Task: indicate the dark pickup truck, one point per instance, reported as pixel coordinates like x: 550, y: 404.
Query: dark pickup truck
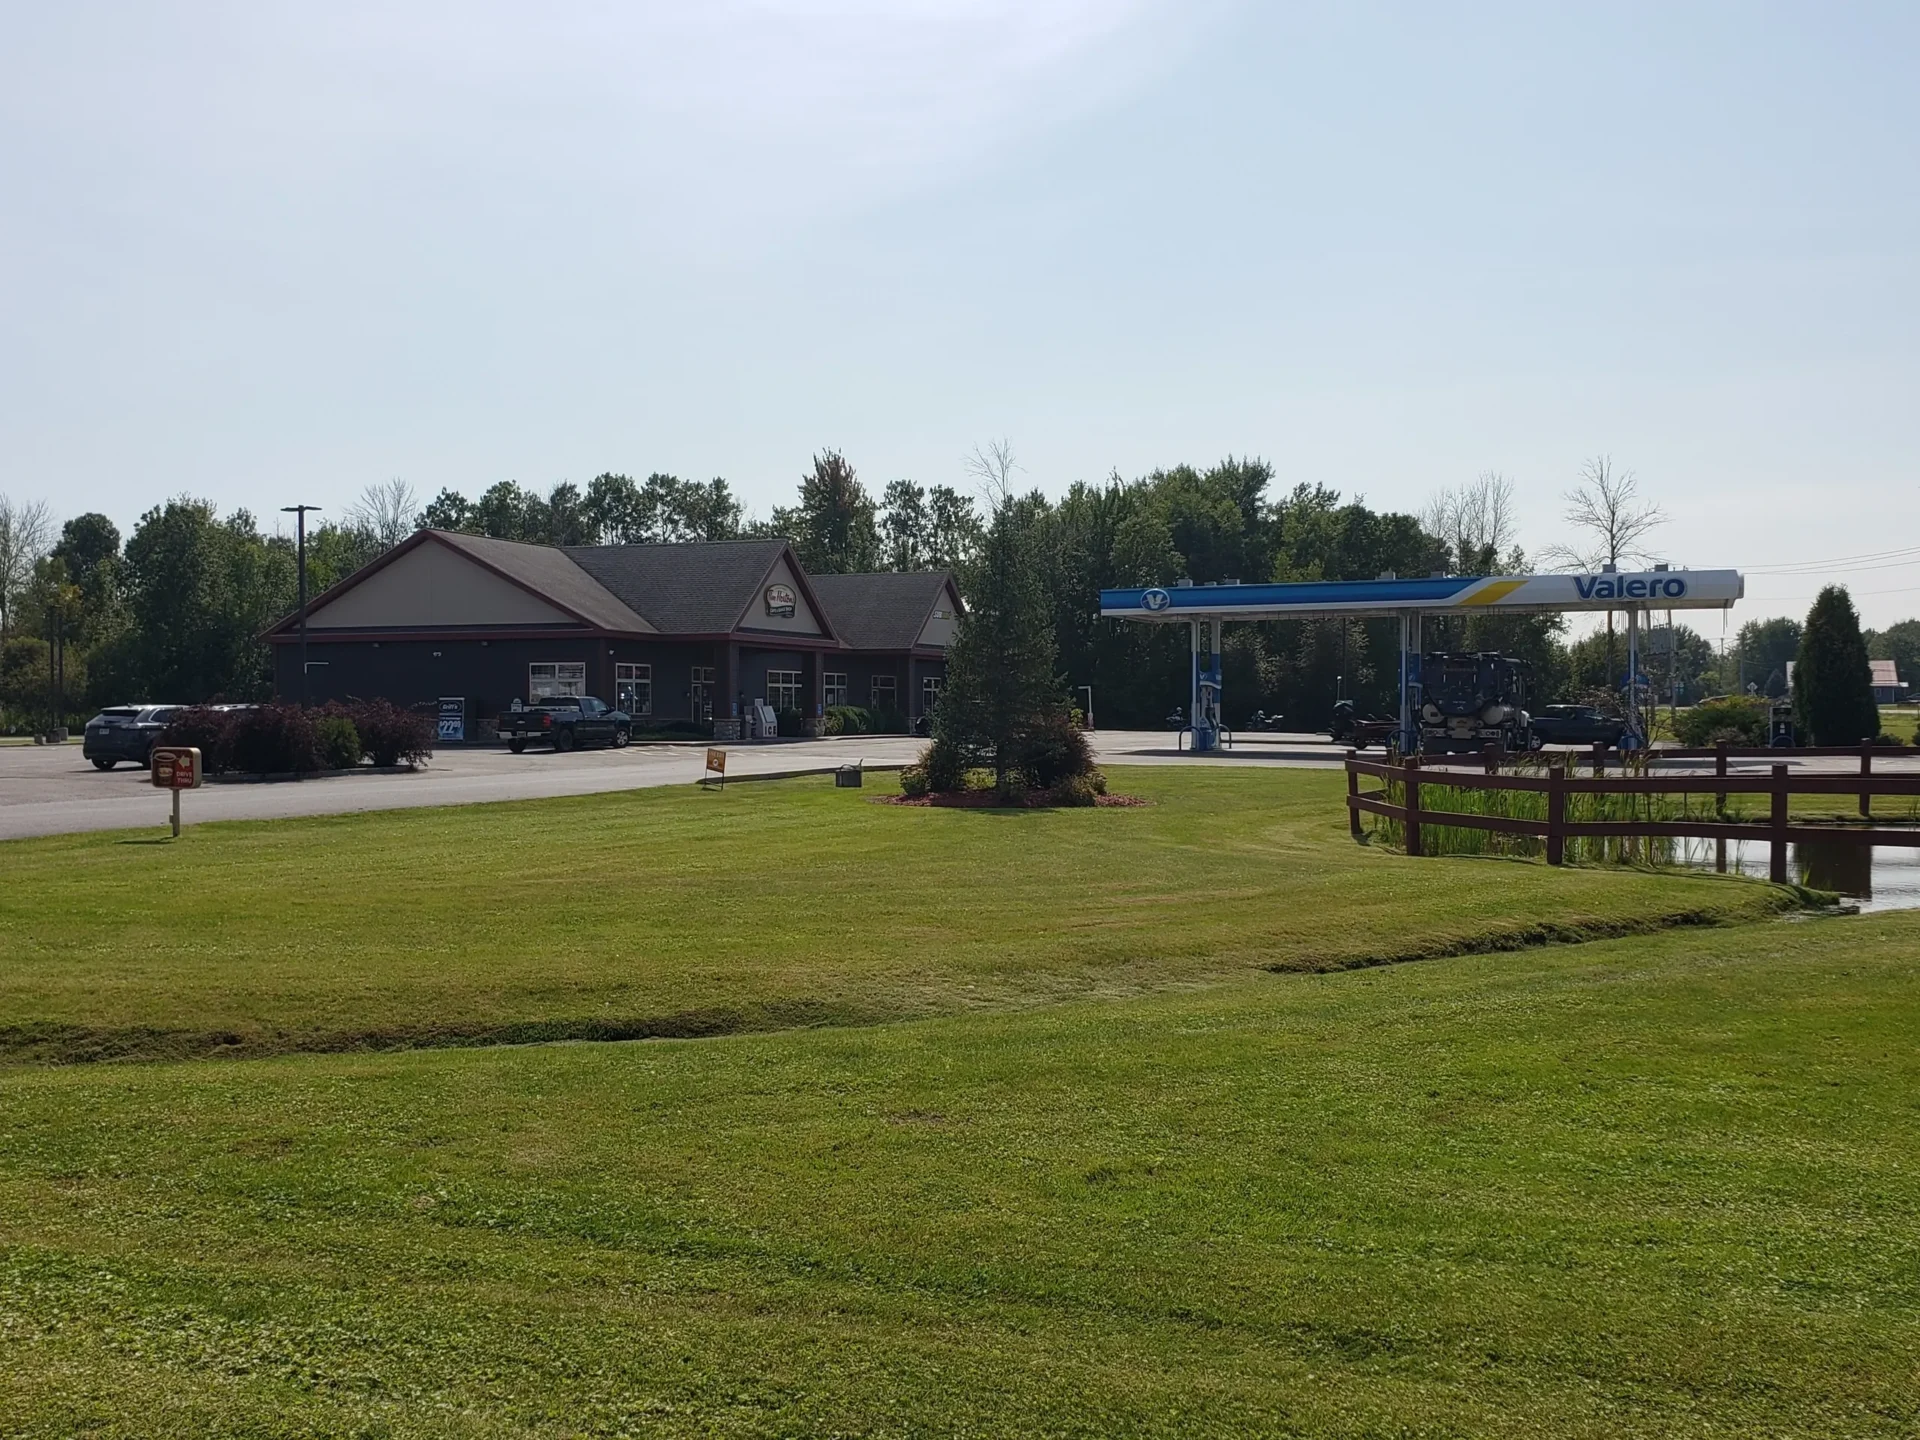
x: 1575, y: 725
x: 566, y: 722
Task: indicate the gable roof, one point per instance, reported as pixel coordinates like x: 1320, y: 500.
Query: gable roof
x: 698, y: 588
x: 885, y: 611
x: 551, y: 572
x: 540, y: 570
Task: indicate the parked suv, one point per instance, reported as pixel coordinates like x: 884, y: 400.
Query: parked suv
x: 124, y: 732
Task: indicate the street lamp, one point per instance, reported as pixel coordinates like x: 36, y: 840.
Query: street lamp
x: 299, y: 512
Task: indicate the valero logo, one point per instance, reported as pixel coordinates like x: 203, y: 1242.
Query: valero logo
x: 1630, y: 587
x: 1156, y: 599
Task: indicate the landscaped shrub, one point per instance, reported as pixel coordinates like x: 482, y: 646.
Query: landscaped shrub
x: 890, y: 722
x: 1739, y: 719
x: 338, y: 742
x: 789, y: 722
x: 847, y: 720
x: 1051, y: 749
x: 1079, y: 790
x: 273, y: 740
x: 913, y: 781
x: 944, y: 766
x: 393, y: 736
x: 206, y: 729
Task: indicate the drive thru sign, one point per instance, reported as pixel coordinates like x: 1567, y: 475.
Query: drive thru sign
x: 176, y: 768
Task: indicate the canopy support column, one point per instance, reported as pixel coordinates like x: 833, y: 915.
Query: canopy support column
x: 1636, y: 736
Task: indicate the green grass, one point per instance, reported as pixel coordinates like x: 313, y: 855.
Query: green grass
x: 1660, y: 1186
x: 686, y: 912
x: 1899, y: 721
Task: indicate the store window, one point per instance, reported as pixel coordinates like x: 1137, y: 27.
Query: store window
x: 783, y: 689
x: 885, y: 694
x: 701, y: 692
x: 929, y: 694
x: 558, y: 678
x: 836, y: 687
x: 633, y: 689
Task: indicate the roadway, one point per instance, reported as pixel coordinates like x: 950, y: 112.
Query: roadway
x: 52, y: 790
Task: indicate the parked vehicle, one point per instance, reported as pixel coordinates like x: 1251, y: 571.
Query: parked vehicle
x: 1357, y: 730
x: 124, y: 732
x: 566, y: 722
x: 1260, y: 720
x: 1468, y: 702
x: 1576, y: 725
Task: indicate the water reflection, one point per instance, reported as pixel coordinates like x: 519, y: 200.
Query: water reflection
x: 1879, y: 877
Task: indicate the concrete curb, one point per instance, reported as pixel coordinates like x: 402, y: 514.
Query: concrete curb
x: 884, y: 766
x: 282, y: 777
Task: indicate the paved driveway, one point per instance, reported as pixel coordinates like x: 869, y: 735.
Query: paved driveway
x: 51, y: 790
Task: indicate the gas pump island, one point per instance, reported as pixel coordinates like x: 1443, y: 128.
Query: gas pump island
x: 1205, y: 609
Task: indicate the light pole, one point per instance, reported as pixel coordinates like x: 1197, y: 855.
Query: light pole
x: 299, y: 512
x: 1089, y: 690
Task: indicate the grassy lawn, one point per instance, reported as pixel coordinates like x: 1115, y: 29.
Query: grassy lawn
x: 1899, y: 721
x: 1659, y: 1186
x: 682, y: 912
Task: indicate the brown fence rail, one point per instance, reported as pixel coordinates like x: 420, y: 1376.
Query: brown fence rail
x: 1780, y: 785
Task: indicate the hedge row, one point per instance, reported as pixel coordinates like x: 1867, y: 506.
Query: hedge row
x: 287, y: 739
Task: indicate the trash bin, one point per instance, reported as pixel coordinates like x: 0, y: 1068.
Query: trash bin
x: 847, y: 777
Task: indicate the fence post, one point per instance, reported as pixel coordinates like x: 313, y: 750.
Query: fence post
x: 1720, y: 770
x: 1599, y: 758
x: 1410, y: 783
x: 1490, y: 758
x: 1353, y: 793
x: 1556, y: 815
x: 1866, y: 768
x: 1777, y: 867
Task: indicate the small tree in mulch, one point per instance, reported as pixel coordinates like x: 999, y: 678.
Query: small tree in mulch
x: 1833, y: 700
x: 1001, y: 682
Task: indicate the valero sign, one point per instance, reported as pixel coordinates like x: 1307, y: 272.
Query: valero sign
x: 1631, y: 587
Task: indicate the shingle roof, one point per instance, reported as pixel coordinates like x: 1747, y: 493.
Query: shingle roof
x: 551, y: 572
x: 881, y: 612
x: 696, y: 589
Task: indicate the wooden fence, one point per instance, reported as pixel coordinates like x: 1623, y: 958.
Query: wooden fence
x: 1780, y: 785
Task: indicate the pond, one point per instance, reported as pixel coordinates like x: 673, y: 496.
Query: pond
x: 1878, y: 877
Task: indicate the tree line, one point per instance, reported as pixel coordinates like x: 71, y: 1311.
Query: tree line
x: 175, y: 612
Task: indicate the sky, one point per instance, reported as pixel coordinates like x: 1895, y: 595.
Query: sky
x: 265, y: 253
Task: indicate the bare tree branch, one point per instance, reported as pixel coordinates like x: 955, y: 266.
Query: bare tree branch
x: 1476, y: 522
x: 26, y: 534
x: 1612, y: 516
x: 993, y: 467
x: 389, y: 512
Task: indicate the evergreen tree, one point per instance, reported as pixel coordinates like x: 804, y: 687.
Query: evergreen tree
x: 1000, y: 681
x: 1832, y: 683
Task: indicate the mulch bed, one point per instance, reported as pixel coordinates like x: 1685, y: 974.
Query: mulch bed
x: 988, y: 800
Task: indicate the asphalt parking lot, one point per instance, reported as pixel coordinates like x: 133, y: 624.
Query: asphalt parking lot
x: 52, y: 790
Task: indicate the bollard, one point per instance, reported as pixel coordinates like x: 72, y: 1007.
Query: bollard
x: 1353, y: 792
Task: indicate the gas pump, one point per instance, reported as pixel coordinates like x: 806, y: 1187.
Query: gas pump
x: 1206, y: 685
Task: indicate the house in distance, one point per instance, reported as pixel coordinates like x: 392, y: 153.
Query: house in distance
x: 691, y: 632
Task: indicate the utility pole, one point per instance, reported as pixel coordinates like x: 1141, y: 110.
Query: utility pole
x: 299, y: 512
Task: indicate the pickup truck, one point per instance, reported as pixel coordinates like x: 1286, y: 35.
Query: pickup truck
x: 567, y: 721
x: 1575, y: 725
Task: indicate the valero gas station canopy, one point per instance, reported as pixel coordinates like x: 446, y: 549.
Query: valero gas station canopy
x: 1206, y: 607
